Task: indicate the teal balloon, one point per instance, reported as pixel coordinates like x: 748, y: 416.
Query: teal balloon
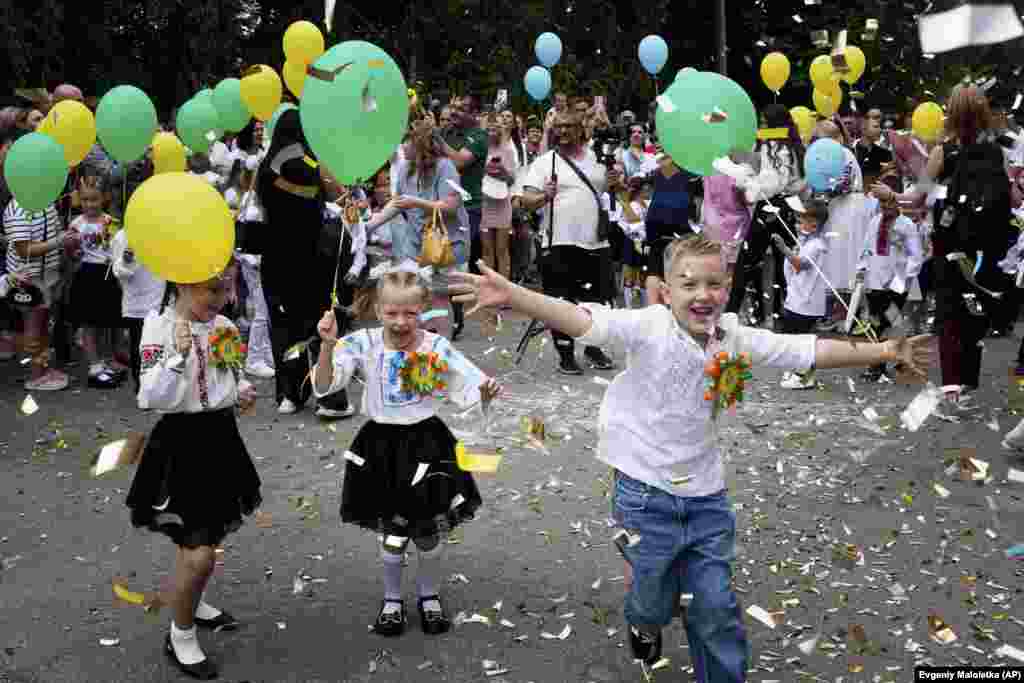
x: 205, y: 95
x: 195, y: 121
x: 691, y: 141
x: 537, y: 82
x: 686, y: 72
x: 227, y: 98
x: 125, y: 123
x: 355, y: 122
x: 653, y: 53
x: 284, y: 106
x: 36, y: 171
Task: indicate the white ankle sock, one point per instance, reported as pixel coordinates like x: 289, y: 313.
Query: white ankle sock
x: 186, y: 645
x: 207, y: 611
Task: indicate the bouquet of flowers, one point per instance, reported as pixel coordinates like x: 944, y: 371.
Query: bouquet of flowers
x: 725, y: 378
x: 423, y: 373
x: 227, y: 351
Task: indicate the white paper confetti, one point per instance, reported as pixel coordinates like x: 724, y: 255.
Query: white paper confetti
x: 565, y: 633
x: 29, y: 405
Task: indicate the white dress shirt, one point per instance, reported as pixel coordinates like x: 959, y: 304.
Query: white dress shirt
x: 805, y: 288
x: 903, y: 262
x: 141, y: 290
x: 654, y: 424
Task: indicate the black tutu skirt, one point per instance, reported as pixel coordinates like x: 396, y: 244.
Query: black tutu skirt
x: 95, y: 297
x: 196, y: 480
x: 379, y: 493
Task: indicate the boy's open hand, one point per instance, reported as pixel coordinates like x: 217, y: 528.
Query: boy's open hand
x: 914, y: 356
x: 487, y: 290
x: 489, y: 391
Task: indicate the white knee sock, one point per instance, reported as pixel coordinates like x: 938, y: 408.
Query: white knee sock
x: 428, y: 572
x: 186, y: 645
x: 205, y: 610
x: 392, y: 575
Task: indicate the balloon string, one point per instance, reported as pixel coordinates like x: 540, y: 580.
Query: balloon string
x: 867, y: 328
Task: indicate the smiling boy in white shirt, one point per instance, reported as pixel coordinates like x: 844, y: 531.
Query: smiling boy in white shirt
x: 658, y: 431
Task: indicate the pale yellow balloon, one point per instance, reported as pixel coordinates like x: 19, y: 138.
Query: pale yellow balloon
x: 827, y: 102
x: 775, y: 71
x: 857, y: 62
x: 168, y: 154
x: 180, y: 228
x: 73, y: 126
x: 261, y: 92
x: 294, y: 77
x: 804, y: 120
x: 928, y: 121
x: 303, y: 43
x: 821, y: 72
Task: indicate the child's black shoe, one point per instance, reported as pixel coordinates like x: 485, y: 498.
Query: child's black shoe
x: 390, y: 623
x: 433, y: 621
x: 646, y: 648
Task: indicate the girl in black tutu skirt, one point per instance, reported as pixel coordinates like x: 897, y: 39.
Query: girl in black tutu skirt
x: 401, y: 476
x: 191, y: 373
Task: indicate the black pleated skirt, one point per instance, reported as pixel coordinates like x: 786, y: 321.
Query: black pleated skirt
x: 379, y: 493
x: 196, y: 481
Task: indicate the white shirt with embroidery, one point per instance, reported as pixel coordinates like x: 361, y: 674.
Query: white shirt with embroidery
x: 901, y: 265
x: 654, y: 423
x: 384, y: 401
x: 191, y: 383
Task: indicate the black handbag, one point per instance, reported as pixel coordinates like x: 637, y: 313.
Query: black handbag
x: 28, y: 295
x: 604, y: 223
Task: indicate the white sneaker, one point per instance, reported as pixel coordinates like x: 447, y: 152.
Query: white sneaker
x: 795, y: 381
x: 1014, y: 440
x: 259, y: 370
x: 331, y: 414
x: 287, y: 408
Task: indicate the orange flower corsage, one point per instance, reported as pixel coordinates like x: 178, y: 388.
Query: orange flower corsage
x: 725, y: 379
x: 227, y: 351
x: 423, y: 373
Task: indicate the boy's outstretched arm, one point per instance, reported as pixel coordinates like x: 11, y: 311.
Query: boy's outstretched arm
x: 914, y: 355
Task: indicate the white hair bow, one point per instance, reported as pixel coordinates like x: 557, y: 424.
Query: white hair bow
x: 406, y: 266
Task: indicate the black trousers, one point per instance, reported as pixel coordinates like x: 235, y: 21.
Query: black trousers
x: 796, y: 323
x: 577, y: 275
x: 879, y: 302
x: 134, y: 327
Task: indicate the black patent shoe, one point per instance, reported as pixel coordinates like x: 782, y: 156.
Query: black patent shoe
x: 568, y: 366
x: 204, y: 670
x: 433, y: 622
x: 646, y: 648
x: 457, y: 330
x: 390, y: 624
x: 222, y: 622
x: 598, y: 360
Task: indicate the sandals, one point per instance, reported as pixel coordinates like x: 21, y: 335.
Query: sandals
x: 392, y: 624
x: 434, y: 622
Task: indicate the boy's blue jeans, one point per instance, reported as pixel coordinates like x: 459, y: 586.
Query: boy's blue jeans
x: 686, y: 546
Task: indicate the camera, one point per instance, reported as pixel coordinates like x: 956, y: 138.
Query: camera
x: 609, y: 140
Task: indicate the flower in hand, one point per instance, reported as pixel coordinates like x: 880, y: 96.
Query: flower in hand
x: 487, y: 290
x: 914, y: 356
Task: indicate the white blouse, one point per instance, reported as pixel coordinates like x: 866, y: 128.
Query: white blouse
x: 173, y: 383
x: 654, y: 424
x: 384, y: 401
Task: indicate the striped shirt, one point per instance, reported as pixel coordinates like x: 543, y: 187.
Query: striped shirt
x: 22, y: 226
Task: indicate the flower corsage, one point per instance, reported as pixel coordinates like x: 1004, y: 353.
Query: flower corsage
x: 725, y: 378
x: 226, y: 349
x: 423, y: 373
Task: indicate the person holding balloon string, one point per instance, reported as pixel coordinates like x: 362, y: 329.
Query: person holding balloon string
x: 658, y: 429
x: 401, y: 476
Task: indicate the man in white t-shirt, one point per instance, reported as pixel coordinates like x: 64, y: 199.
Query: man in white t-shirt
x: 575, y: 264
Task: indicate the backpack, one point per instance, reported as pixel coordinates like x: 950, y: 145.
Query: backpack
x: 976, y: 213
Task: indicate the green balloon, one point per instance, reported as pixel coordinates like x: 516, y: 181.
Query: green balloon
x: 205, y: 95
x: 686, y: 72
x: 691, y: 141
x: 195, y: 121
x: 282, y: 108
x: 355, y: 122
x: 227, y: 98
x: 36, y: 171
x: 125, y: 123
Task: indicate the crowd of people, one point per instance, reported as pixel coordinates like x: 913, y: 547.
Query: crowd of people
x: 628, y: 250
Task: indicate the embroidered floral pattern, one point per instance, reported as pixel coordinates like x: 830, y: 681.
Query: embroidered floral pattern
x: 204, y: 388
x: 151, y: 355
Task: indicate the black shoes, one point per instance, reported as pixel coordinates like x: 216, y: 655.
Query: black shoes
x: 597, y: 359
x: 457, y: 330
x: 393, y: 623
x: 221, y: 622
x: 568, y: 365
x: 646, y: 648
x: 434, y: 622
x: 204, y: 670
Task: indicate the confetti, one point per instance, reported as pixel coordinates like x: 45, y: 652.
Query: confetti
x: 565, y: 633
x: 29, y: 405
x: 762, y: 615
x: 110, y: 642
x: 923, y: 405
x: 939, y: 631
x: 1011, y: 652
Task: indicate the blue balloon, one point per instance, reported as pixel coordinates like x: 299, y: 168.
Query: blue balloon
x: 537, y: 82
x: 548, y: 49
x: 824, y: 165
x: 653, y: 53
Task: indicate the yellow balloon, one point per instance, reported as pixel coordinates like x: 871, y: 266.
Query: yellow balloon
x: 180, y: 228
x: 72, y: 125
x: 821, y: 72
x: 775, y: 71
x: 804, y: 120
x: 303, y: 43
x: 261, y: 92
x: 168, y: 154
x: 927, y: 121
x: 294, y: 77
x: 827, y: 102
x: 857, y: 62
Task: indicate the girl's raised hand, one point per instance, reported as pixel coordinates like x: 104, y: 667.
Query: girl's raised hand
x: 487, y: 289
x: 327, y: 328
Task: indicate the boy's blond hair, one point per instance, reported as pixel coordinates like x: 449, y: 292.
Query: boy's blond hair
x: 691, y: 245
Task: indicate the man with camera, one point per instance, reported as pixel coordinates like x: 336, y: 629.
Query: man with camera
x: 575, y: 263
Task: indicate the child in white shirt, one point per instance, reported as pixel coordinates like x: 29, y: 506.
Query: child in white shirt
x: 141, y: 294
x: 805, y: 286
x: 657, y: 429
